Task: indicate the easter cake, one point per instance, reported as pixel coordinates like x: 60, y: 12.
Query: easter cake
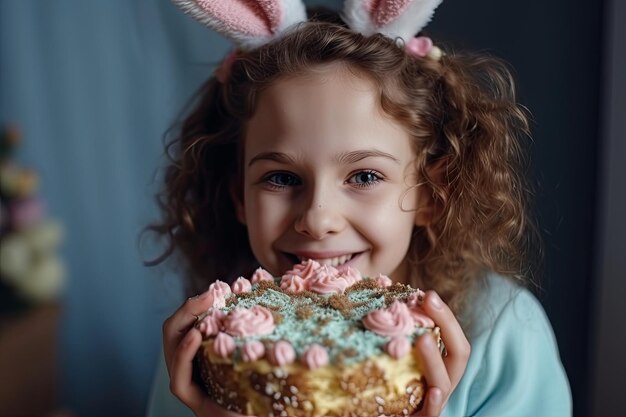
x: 313, y: 342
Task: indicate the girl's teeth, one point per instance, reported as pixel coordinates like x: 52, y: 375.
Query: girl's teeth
x: 337, y: 261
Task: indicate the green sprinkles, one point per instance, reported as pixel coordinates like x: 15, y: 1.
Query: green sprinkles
x: 350, y: 340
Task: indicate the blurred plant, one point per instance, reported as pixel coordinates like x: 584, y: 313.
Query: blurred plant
x: 30, y: 267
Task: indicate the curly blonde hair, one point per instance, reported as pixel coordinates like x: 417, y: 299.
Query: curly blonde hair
x: 461, y: 112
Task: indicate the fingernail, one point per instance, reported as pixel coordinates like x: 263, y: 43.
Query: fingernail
x: 430, y: 343
x: 436, y: 302
x: 435, y: 396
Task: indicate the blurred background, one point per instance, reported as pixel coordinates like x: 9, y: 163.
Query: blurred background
x: 87, y: 90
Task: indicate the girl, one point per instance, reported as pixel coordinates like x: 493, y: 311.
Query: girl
x: 357, y: 144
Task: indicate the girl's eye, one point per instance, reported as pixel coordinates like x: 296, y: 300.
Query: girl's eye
x: 282, y: 180
x: 365, y: 179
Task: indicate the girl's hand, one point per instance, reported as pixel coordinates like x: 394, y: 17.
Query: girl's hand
x: 180, y: 344
x: 442, y: 373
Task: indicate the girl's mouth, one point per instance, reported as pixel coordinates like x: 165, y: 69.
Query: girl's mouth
x: 335, y: 261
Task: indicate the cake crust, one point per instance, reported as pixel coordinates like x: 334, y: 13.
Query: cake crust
x: 363, y: 389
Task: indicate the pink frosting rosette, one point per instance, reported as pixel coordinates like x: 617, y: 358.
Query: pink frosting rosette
x: 327, y: 281
x: 414, y: 303
x: 352, y: 275
x: 398, y: 346
x: 395, y: 320
x: 211, y: 324
x: 217, y: 293
x: 305, y: 269
x: 282, y: 353
x: 216, y: 300
x: 252, y: 351
x: 383, y: 281
x: 223, y: 345
x: 261, y: 275
x: 292, y: 283
x: 326, y: 270
x: 220, y: 288
x: 255, y: 321
x: 241, y: 285
x: 315, y: 357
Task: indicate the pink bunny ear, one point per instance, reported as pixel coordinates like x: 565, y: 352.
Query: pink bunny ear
x: 385, y: 11
x: 393, y: 18
x: 249, y: 23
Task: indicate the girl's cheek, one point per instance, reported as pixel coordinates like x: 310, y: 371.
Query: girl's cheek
x: 272, y: 211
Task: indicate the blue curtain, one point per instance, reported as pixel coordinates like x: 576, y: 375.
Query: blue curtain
x: 93, y: 86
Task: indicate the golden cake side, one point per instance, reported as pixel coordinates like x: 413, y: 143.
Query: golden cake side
x: 375, y: 386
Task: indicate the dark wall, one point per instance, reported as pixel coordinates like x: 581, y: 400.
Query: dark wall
x: 555, y: 49
x: 608, y: 360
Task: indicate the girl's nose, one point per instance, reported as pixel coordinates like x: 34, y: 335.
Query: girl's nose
x: 320, y: 219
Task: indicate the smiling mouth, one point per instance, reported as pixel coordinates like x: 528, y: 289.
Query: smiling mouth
x: 335, y: 262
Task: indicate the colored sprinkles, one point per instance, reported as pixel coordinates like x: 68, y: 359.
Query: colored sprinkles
x: 334, y: 322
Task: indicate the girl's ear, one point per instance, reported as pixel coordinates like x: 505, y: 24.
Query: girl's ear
x: 236, y: 195
x: 429, y: 208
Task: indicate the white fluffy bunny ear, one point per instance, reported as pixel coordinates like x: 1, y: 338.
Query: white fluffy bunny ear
x: 248, y: 23
x: 393, y: 18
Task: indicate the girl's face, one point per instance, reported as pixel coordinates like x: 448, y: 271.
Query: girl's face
x: 327, y: 176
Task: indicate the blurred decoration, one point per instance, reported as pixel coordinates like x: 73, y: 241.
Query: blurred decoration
x: 31, y: 272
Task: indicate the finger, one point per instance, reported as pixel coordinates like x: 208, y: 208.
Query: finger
x: 433, y: 367
x: 182, y: 385
x: 433, y: 403
x: 181, y: 370
x: 179, y: 323
x: 185, y: 316
x: 456, y: 344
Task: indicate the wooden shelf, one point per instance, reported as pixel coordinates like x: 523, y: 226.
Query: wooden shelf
x: 28, y: 362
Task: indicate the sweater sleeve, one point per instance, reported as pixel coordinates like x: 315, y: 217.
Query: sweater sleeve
x: 514, y: 368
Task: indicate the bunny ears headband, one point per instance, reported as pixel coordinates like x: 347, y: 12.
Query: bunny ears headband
x: 253, y: 23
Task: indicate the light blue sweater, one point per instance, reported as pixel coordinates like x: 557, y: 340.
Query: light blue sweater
x: 514, y: 369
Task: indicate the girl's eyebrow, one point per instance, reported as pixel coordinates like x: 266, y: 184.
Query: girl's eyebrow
x: 342, y: 158
x: 355, y: 156
x: 272, y: 156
